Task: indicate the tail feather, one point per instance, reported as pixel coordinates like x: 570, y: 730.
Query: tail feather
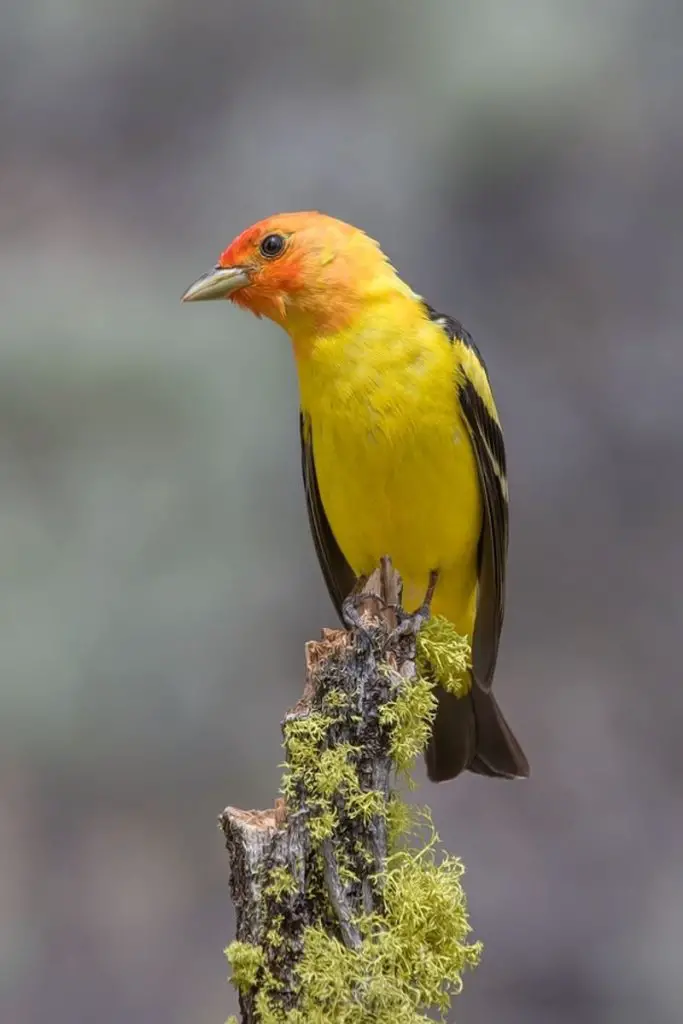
x: 498, y: 751
x: 470, y: 733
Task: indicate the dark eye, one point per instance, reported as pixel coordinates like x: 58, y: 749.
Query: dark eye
x: 272, y: 245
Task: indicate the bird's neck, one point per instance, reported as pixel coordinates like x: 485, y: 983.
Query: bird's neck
x: 347, y: 364
x: 331, y: 315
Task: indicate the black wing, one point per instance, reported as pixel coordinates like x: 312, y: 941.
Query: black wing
x: 338, y: 574
x: 489, y: 449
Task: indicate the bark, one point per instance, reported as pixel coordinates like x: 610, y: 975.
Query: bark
x: 285, y: 875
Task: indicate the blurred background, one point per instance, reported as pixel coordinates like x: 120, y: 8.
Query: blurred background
x: 522, y: 164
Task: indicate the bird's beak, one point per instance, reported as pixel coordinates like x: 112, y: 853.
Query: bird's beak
x: 217, y: 284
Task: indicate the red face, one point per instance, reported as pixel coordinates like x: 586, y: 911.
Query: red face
x: 306, y: 271
x: 272, y: 255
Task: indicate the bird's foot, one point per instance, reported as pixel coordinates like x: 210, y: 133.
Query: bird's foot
x: 411, y: 623
x: 353, y: 620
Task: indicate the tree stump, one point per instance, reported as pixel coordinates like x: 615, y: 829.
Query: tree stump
x: 309, y: 878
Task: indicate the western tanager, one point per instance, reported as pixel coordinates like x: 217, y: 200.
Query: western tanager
x: 402, y: 448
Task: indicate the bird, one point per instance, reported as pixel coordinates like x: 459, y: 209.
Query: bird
x: 402, y: 449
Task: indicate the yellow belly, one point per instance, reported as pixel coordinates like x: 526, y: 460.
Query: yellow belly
x: 397, y: 476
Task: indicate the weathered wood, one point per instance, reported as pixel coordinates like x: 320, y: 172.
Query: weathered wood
x: 320, y: 859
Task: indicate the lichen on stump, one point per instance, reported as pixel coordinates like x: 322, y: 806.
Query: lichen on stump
x: 338, y: 919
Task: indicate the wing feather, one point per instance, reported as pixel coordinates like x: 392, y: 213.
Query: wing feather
x: 476, y: 402
x: 338, y: 574
x: 487, y: 440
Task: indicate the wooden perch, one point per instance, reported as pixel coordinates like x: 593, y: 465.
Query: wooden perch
x: 317, y: 860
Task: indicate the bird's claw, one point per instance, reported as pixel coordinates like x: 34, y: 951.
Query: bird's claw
x: 411, y: 623
x: 353, y: 620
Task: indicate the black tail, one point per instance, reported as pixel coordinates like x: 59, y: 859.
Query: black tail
x: 471, y: 733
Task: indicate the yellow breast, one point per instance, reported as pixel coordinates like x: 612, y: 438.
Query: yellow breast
x: 396, y: 470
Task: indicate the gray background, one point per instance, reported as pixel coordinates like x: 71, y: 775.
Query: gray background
x: 523, y: 166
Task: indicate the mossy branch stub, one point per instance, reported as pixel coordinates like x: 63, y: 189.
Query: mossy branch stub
x: 337, y: 919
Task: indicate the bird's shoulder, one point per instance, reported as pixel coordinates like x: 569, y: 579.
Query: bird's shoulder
x: 454, y: 331
x: 471, y: 372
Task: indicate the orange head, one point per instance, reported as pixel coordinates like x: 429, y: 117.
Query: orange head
x: 308, y: 272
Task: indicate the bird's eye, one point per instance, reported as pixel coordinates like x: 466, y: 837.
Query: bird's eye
x: 272, y: 245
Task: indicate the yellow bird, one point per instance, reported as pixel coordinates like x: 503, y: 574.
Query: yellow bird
x: 402, y: 448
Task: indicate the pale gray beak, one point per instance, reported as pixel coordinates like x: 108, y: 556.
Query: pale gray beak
x: 217, y: 284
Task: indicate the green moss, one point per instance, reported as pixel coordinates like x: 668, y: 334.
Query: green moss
x: 325, y: 774
x: 267, y: 1012
x: 409, y: 718
x: 413, y: 953
x: 335, y: 772
x: 411, y: 958
x: 304, y: 738
x: 400, y: 820
x: 321, y: 826
x: 444, y: 655
x: 246, y: 960
x: 274, y: 936
x: 280, y: 883
x: 335, y: 700
x: 347, y: 875
x: 366, y: 805
x: 427, y: 924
